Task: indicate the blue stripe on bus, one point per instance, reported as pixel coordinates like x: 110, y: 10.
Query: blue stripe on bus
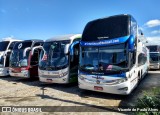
x: 105, y: 42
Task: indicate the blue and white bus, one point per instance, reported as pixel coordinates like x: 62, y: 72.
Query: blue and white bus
x: 113, y: 59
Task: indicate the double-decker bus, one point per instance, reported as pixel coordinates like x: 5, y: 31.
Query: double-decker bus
x: 113, y: 58
x: 6, y: 47
x: 24, y: 58
x: 154, y: 51
x: 59, y: 59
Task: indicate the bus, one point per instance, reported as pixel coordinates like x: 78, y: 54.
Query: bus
x: 59, y: 59
x: 154, y: 51
x: 113, y: 57
x: 24, y: 58
x: 6, y: 47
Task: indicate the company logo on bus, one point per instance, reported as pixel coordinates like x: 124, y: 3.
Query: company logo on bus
x: 98, y: 82
x: 97, y: 77
x: 20, y: 46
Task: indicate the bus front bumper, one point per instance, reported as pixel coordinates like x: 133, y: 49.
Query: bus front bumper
x: 50, y: 79
x: 4, y: 71
x: 24, y: 74
x: 154, y: 66
x: 122, y: 88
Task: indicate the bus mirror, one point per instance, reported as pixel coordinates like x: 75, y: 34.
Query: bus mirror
x: 37, y: 47
x: 66, y: 48
x: 26, y: 49
x: 9, y: 50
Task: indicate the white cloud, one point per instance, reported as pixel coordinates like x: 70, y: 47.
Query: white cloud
x: 153, y: 40
x: 155, y: 32
x: 153, y: 23
x: 8, y: 38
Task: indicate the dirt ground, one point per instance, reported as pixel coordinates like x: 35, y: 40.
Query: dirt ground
x: 24, y: 92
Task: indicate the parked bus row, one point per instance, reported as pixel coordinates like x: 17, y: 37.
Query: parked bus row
x: 110, y: 56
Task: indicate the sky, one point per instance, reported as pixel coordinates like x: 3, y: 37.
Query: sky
x: 43, y: 19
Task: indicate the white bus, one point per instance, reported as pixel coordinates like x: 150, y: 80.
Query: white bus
x: 24, y: 58
x: 59, y: 59
x: 154, y: 51
x: 6, y: 47
x: 113, y: 59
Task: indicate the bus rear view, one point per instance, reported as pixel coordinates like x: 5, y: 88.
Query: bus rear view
x: 154, y: 56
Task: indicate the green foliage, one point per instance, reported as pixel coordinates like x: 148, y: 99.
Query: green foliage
x: 150, y: 100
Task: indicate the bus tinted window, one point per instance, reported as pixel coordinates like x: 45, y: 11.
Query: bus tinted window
x: 22, y: 45
x: 153, y: 48
x: 106, y: 28
x: 4, y: 45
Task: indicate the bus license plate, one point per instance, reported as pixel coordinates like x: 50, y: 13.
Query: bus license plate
x: 15, y: 74
x: 98, y: 88
x: 49, y: 80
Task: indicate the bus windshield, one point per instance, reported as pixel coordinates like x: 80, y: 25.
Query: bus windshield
x: 104, y: 59
x: 3, y: 45
x: 106, y: 28
x: 154, y: 57
x: 53, y: 56
x: 17, y: 58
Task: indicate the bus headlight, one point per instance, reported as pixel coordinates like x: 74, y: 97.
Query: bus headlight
x: 81, y: 77
x: 63, y: 74
x: 121, y: 80
x: 25, y: 73
x: 117, y: 81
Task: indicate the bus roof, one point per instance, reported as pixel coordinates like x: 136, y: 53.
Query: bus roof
x: 33, y: 40
x: 120, y: 15
x: 64, y: 37
x: 107, y: 28
x: 10, y: 40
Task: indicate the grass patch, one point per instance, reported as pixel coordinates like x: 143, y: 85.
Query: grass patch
x: 149, y: 103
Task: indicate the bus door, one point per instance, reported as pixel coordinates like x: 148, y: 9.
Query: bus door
x: 74, y: 61
x: 34, y: 60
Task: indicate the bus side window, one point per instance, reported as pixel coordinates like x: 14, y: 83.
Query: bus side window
x: 133, y: 58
